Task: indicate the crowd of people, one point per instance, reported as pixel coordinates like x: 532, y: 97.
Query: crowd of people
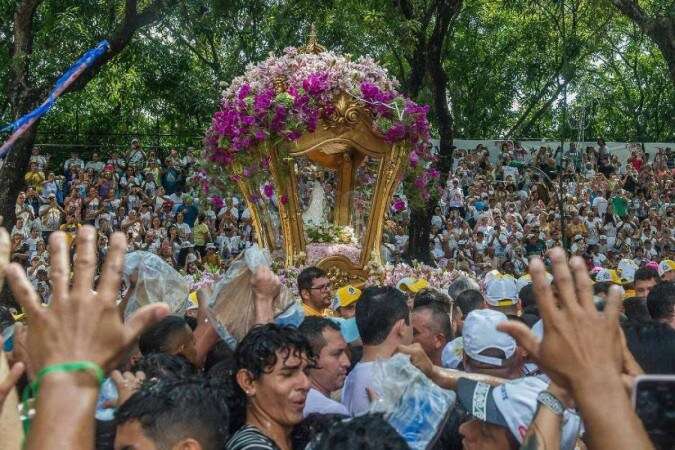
x: 540, y: 346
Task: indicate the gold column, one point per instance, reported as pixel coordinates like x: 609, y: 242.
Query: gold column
x: 345, y: 186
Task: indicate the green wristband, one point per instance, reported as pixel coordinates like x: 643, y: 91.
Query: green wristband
x: 34, y: 387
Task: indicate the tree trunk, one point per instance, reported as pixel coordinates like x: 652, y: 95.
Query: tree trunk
x: 660, y: 29
x: 11, y: 175
x: 419, y: 229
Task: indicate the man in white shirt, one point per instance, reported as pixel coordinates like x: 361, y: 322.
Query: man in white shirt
x: 332, y: 363
x: 383, y: 320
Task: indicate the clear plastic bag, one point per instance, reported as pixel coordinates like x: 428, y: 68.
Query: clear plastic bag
x: 155, y: 281
x: 231, y: 307
x: 415, y: 406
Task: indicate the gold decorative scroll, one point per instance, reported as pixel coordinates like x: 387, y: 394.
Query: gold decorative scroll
x: 263, y: 233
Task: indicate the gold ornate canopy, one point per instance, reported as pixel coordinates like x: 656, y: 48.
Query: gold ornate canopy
x: 342, y: 145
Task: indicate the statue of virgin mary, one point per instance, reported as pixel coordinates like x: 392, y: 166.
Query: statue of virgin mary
x: 315, y: 213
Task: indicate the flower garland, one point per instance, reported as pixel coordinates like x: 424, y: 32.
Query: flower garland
x: 255, y: 114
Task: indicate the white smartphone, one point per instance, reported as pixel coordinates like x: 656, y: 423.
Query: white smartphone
x: 654, y: 403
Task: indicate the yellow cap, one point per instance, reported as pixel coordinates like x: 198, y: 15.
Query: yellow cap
x: 193, y: 298
x: 628, y: 294
x: 410, y: 284
x: 347, y: 295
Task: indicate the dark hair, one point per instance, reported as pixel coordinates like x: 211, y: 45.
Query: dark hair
x: 661, y: 300
x: 470, y: 300
x: 526, y: 296
x: 653, y: 346
x: 646, y: 273
x: 220, y: 352
x: 307, y: 276
x: 257, y: 352
x: 312, y: 329
x: 377, y: 311
x: 172, y: 410
x: 602, y: 287
x: 432, y: 296
x: 460, y: 285
x: 636, y: 310
x: 366, y: 432
x: 157, y: 337
x: 439, y: 318
x: 312, y: 426
x: 164, y: 365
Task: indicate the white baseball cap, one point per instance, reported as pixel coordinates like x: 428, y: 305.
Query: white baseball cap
x: 666, y: 266
x: 480, y: 333
x: 513, y: 405
x: 501, y: 290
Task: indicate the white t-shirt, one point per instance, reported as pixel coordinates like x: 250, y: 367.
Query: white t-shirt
x: 354, y: 394
x: 601, y: 204
x: 318, y: 403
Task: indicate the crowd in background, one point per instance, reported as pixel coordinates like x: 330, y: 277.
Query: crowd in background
x: 540, y: 353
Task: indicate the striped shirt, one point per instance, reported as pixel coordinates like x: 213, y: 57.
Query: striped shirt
x: 250, y: 438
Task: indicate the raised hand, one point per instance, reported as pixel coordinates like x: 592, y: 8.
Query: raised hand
x: 80, y: 324
x: 579, y: 341
x: 127, y: 384
x: 582, y: 352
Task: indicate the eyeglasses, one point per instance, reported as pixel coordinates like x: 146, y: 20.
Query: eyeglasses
x: 323, y: 287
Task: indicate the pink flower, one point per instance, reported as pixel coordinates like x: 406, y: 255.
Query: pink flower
x: 414, y: 158
x: 315, y: 84
x: 268, y: 190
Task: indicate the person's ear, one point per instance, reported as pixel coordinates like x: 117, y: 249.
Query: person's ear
x: 246, y: 382
x: 304, y: 294
x: 187, y: 444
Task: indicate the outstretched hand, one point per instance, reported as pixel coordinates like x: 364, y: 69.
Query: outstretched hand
x: 80, y: 323
x: 580, y: 342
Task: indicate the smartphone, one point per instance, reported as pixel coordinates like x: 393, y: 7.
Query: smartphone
x: 654, y: 402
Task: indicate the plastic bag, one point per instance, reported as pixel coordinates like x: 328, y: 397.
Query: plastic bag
x: 155, y: 281
x: 231, y: 307
x: 415, y: 406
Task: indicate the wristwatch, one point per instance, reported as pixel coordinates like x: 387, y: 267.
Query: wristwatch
x: 551, y: 402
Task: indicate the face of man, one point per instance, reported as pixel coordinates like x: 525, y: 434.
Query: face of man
x: 642, y: 287
x: 332, y: 363
x: 280, y: 393
x: 669, y: 276
x: 426, y: 334
x: 478, y: 435
x: 318, y: 296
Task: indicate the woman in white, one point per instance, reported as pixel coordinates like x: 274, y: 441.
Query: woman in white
x: 315, y: 213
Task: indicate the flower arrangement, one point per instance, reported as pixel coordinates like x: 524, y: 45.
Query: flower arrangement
x: 283, y: 97
x: 390, y: 275
x: 330, y: 233
x: 317, y: 251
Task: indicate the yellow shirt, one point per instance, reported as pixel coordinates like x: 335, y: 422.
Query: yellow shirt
x: 309, y: 311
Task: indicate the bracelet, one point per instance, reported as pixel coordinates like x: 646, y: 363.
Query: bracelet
x: 551, y: 402
x: 34, y: 387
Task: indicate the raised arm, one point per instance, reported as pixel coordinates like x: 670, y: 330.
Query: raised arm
x: 79, y: 336
x: 582, y: 352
